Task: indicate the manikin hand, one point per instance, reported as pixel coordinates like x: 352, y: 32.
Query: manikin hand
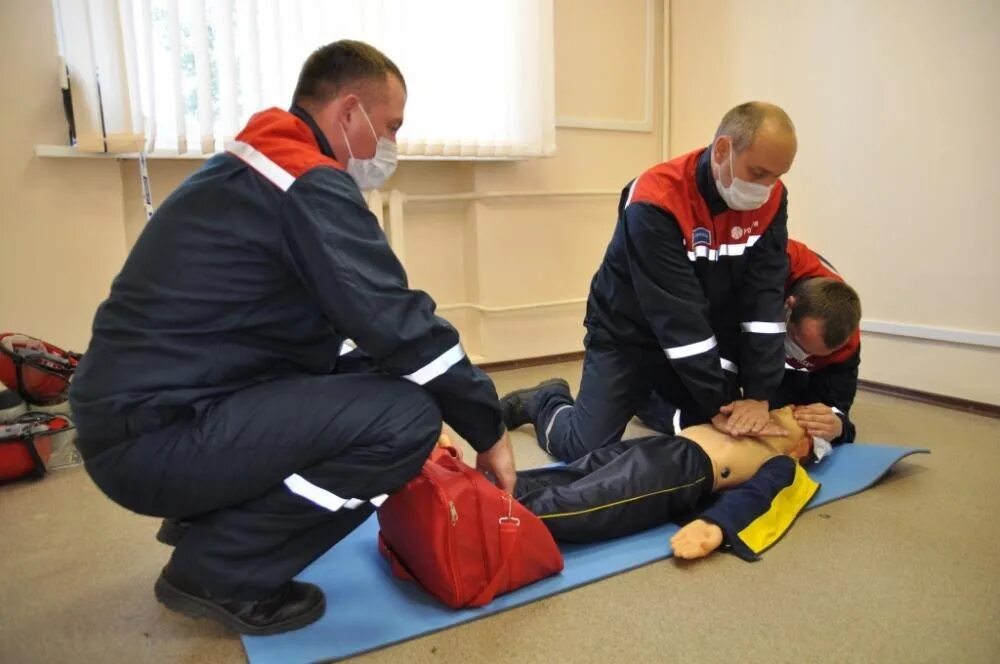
x: 696, y: 540
x: 819, y: 420
x: 498, y: 463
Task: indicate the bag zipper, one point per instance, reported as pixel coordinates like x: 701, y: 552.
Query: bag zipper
x: 452, y: 555
x: 487, y: 572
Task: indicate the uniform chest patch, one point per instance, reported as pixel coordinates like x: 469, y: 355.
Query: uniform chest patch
x: 701, y: 236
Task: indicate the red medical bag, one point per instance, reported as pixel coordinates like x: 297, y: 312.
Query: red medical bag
x: 26, y: 443
x: 460, y: 537
x: 39, y: 371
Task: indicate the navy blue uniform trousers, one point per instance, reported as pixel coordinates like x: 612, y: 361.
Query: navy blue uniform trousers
x: 617, y: 380
x: 619, y: 489
x: 273, y: 475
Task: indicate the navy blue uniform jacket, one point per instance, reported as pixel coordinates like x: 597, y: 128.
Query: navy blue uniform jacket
x: 260, y: 266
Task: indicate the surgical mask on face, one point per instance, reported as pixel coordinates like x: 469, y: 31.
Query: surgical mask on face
x: 793, y: 350
x: 371, y: 173
x: 740, y: 194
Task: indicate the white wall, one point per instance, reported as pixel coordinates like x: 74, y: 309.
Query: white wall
x: 896, y: 180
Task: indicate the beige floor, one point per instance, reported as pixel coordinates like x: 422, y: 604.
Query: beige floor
x: 905, y: 572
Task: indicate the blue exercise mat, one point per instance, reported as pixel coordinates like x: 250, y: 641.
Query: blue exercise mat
x: 368, y: 608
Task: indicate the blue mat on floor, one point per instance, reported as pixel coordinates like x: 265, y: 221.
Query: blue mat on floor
x: 367, y: 608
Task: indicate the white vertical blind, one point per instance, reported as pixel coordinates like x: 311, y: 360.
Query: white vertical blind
x: 147, y: 80
x: 225, y: 56
x: 169, y: 74
x: 206, y: 117
x: 174, y: 62
x: 95, y: 49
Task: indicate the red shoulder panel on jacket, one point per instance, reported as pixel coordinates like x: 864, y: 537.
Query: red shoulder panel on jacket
x: 286, y: 140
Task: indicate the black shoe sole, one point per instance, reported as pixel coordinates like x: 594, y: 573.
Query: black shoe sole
x: 192, y: 606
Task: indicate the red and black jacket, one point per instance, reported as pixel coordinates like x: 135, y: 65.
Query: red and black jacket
x: 832, y: 379
x: 702, y: 282
x: 259, y: 266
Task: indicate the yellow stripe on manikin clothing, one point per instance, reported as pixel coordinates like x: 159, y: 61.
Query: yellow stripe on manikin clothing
x: 598, y: 508
x: 766, y: 529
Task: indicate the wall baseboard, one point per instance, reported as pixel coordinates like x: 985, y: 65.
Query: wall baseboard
x: 509, y: 365
x: 931, y: 398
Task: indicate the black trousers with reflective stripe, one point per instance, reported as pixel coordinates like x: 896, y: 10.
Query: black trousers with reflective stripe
x: 619, y: 489
x: 263, y: 474
x: 617, y: 380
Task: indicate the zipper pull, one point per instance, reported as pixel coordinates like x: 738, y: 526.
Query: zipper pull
x: 454, y: 512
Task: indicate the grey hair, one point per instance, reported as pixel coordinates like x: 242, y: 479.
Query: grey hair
x: 741, y: 123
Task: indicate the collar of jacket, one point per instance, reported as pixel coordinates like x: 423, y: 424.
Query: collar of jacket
x: 706, y: 183
x: 324, y: 145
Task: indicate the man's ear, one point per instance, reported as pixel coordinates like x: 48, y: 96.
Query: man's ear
x: 790, y: 302
x: 720, y: 149
x: 347, y: 106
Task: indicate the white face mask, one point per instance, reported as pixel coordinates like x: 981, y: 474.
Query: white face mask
x: 793, y: 350
x: 371, y: 173
x: 740, y: 194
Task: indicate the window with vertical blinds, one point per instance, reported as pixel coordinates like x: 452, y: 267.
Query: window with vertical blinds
x: 183, y: 76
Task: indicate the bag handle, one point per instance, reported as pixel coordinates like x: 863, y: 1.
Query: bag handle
x: 510, y: 532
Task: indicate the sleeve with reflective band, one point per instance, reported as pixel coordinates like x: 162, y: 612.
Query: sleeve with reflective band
x: 335, y: 245
x: 673, y: 301
x: 755, y: 514
x: 762, y: 310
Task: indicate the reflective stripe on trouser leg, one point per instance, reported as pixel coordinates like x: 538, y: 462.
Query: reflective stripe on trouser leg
x: 552, y: 420
x: 327, y: 499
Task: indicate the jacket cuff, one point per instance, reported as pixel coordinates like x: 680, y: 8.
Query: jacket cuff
x: 846, y: 429
x: 757, y: 394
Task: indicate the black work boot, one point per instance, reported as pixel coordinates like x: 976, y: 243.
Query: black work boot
x: 516, y: 404
x: 292, y: 606
x: 172, y: 531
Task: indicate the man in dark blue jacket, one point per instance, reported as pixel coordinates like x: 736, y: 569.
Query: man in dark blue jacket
x: 212, y: 390
x: 688, y: 300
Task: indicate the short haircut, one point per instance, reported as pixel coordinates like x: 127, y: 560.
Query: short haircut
x: 342, y: 64
x: 830, y: 301
x: 740, y: 124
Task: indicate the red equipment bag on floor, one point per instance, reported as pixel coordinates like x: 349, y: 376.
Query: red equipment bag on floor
x: 39, y: 371
x: 462, y: 538
x: 26, y: 443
